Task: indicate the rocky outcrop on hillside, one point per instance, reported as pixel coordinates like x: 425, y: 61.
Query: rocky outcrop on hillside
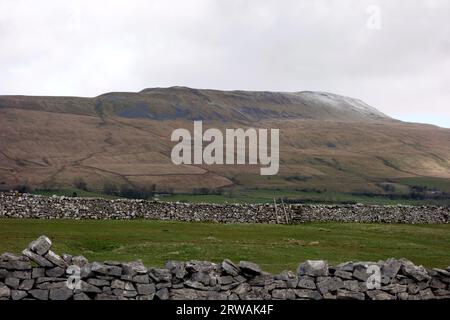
x: 15, y: 205
x: 41, y: 274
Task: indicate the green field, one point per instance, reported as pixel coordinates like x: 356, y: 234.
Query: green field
x: 265, y: 196
x: 274, y: 247
x: 428, y: 182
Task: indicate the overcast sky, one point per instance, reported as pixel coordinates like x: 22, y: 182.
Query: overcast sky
x: 393, y: 54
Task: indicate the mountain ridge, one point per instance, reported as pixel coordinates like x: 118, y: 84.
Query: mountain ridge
x: 206, y: 104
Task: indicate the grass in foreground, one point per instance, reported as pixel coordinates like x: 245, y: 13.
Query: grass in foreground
x: 274, y: 247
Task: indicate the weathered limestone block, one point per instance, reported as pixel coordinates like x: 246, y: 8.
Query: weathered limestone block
x: 106, y: 269
x: 146, y: 289
x: 13, y: 283
x: 56, y: 259
x: 67, y: 258
x: 242, y: 289
x: 191, y: 294
x: 437, y: 284
x: 38, y: 273
x: 160, y: 275
x: 87, y: 288
x: 379, y: 295
x: 289, y: 277
x: 202, y: 277
x: 229, y: 267
x: 130, y: 293
x: 413, y: 288
x: 442, y: 292
x: 60, y: 294
x: 345, y: 266
x: 141, y: 278
x: 343, y: 274
x: 360, y: 272
x: 18, y: 294
x: 314, y: 268
x: 283, y: 294
x: 426, y: 294
x: 402, y: 296
x: 41, y: 261
x: 417, y: 272
x: 134, y: 268
x: 250, y: 268
x: 162, y: 294
x: 177, y: 268
x: 51, y: 285
x: 390, y: 268
x: 259, y: 293
x: 329, y: 284
x: 98, y: 282
x: 351, y: 285
x: 306, y: 282
x: 55, y: 272
x: 79, y: 261
x: 39, y: 294
x: 41, y: 245
x: 13, y: 262
x: 103, y: 296
x: 349, y: 295
x: 50, y: 279
x: 4, y: 273
x: 165, y: 285
x: 117, y: 284
x: 395, y: 288
x: 21, y: 274
x: 223, y: 280
x: 308, y: 294
x: 5, y: 292
x: 81, y: 296
x: 146, y: 297
x: 26, y: 284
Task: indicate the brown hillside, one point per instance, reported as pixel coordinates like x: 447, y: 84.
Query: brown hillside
x: 124, y: 138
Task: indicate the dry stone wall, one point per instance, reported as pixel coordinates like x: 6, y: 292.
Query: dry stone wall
x: 41, y: 274
x: 15, y: 205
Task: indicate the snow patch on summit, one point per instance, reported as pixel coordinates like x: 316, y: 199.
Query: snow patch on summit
x: 339, y: 102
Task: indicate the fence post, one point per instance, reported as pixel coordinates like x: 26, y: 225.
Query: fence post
x: 276, y: 212
x: 284, y: 210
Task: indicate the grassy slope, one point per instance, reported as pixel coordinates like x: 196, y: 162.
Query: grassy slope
x: 125, y: 151
x: 274, y: 247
